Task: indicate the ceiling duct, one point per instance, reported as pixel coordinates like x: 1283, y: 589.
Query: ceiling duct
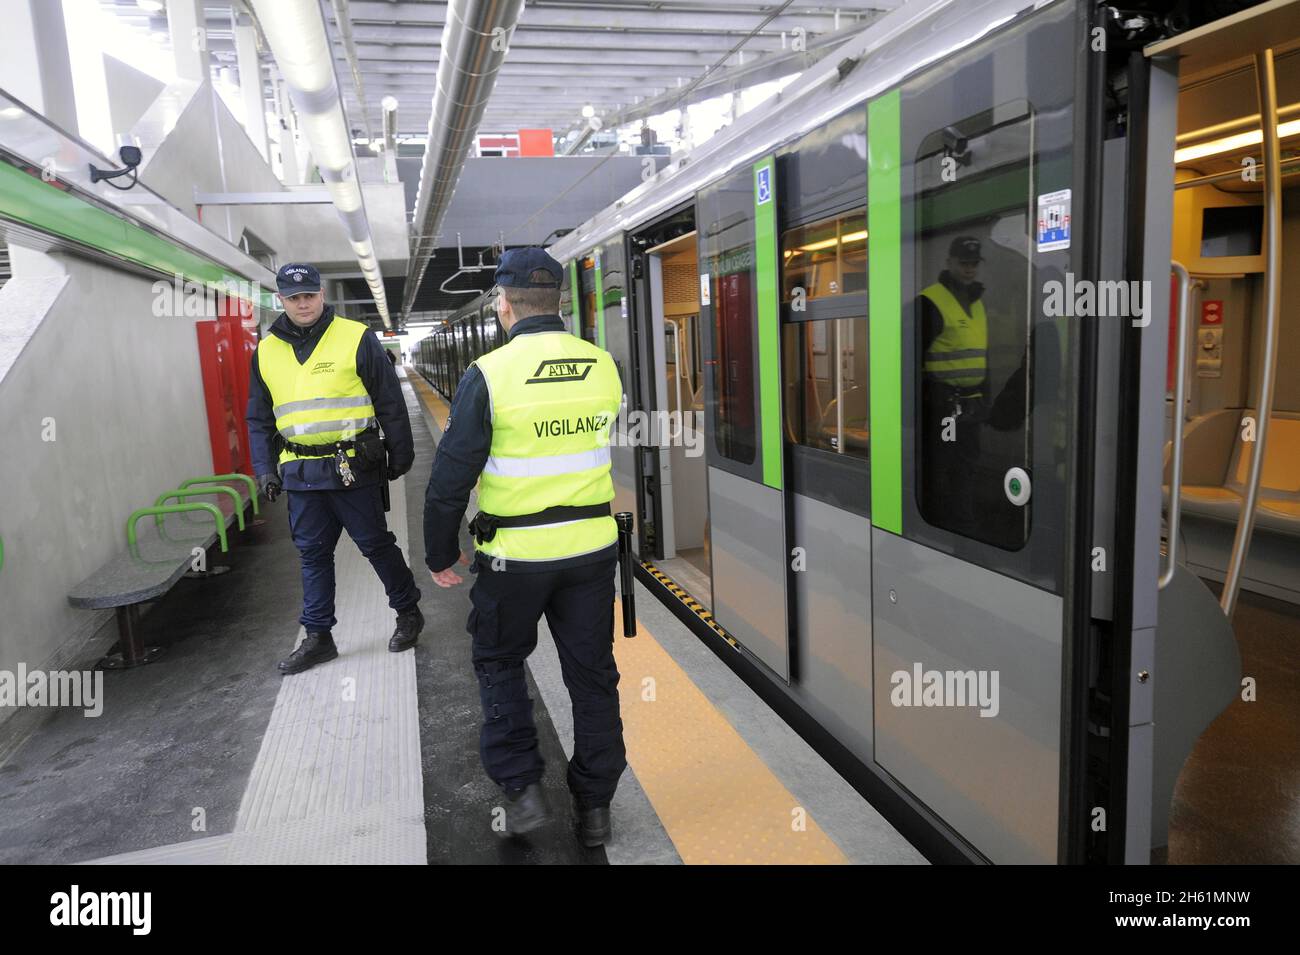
x: 474, y: 44
x: 295, y: 30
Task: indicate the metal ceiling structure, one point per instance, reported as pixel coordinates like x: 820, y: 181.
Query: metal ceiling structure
x: 625, y: 59
x: 565, y: 54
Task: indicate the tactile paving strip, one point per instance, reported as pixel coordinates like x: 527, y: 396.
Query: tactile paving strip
x: 719, y: 802
x: 337, y: 779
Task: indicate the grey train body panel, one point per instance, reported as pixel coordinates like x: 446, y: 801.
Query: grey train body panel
x: 748, y: 573
x: 993, y: 779
x: 832, y: 608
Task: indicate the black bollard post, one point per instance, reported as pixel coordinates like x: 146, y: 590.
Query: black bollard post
x: 627, y: 580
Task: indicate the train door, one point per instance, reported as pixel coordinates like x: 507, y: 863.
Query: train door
x: 614, y: 334
x: 674, y: 499
x: 970, y: 174
x: 739, y: 309
x: 825, y: 385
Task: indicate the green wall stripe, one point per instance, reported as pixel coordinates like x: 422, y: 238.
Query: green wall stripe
x: 884, y: 274
x: 575, y: 295
x: 769, y: 322
x: 600, y: 303
x: 25, y: 198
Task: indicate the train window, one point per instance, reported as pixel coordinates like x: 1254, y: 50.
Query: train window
x: 588, y: 299
x: 825, y: 258
x: 826, y: 388
x: 975, y: 275
x: 727, y: 255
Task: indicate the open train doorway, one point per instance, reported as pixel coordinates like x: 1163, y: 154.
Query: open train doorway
x: 673, y: 490
x: 1236, y: 236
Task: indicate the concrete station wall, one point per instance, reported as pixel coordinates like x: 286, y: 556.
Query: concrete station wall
x: 122, y: 391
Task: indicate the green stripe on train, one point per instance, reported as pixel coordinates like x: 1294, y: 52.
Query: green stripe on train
x: 769, y: 319
x: 575, y: 292
x: 600, y: 301
x: 26, y: 199
x: 885, y: 273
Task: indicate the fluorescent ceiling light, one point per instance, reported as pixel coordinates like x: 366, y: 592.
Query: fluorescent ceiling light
x: 1230, y: 143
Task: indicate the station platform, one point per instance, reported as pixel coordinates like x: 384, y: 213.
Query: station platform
x: 208, y: 756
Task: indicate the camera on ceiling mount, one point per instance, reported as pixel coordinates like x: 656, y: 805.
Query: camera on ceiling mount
x: 130, y: 157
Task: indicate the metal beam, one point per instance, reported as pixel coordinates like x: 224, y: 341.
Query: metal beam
x: 297, y: 198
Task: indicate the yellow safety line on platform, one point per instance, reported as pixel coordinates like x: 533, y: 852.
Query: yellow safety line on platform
x: 717, y: 800
x: 432, y: 400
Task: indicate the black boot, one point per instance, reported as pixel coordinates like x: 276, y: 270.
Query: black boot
x: 594, y: 827
x: 316, y: 648
x: 409, y: 624
x: 526, y: 809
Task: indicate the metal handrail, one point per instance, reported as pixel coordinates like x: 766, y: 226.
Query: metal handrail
x: 176, y: 509
x: 1266, y: 82
x: 217, y: 478
x: 1180, y: 399
x: 200, y: 491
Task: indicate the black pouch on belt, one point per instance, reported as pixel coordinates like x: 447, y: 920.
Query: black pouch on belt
x: 370, y: 450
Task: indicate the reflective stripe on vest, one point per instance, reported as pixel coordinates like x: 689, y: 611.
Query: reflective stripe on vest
x: 323, y: 400
x: 959, y: 356
x: 554, y: 398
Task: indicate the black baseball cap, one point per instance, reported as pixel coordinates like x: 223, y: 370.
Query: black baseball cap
x: 295, y: 279
x: 529, y: 267
x: 965, y: 248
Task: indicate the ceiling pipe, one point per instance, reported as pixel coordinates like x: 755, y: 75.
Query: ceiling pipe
x: 474, y: 44
x: 389, y: 105
x: 295, y: 32
x: 343, y: 20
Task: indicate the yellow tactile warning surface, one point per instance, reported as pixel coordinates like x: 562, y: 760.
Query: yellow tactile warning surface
x: 717, y: 800
x: 432, y: 400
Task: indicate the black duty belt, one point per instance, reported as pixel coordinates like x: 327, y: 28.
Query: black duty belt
x: 320, y: 450
x: 484, y: 526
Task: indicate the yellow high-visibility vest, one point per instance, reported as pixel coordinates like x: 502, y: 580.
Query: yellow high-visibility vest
x: 554, y: 399
x: 323, y: 400
x: 959, y: 356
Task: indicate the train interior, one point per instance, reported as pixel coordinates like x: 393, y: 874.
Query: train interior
x: 671, y: 281
x: 1222, y: 810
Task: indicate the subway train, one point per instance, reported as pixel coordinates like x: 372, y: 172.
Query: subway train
x: 1010, y: 649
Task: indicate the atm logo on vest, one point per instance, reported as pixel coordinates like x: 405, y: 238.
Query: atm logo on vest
x: 562, y: 369
x: 322, y: 367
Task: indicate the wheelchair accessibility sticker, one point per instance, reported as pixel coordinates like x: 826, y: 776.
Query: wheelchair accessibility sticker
x: 764, y: 187
x: 1054, y: 221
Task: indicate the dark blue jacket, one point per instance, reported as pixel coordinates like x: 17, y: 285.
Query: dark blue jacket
x: 461, y: 455
x: 385, y: 389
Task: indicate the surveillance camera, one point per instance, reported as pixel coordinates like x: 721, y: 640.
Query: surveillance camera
x: 130, y: 156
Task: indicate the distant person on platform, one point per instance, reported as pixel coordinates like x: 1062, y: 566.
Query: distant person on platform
x: 320, y: 391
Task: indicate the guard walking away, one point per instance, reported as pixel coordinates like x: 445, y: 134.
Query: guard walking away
x: 530, y: 422
x: 320, y: 391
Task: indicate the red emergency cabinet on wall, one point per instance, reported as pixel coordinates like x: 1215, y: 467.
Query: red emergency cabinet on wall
x: 226, y: 348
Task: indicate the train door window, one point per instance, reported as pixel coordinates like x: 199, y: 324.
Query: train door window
x: 825, y: 370
x: 825, y: 258
x: 588, y: 299
x: 727, y: 255
x: 975, y: 213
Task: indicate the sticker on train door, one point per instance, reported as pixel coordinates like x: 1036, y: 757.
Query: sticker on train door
x: 764, y: 187
x: 704, y: 288
x: 1054, y: 221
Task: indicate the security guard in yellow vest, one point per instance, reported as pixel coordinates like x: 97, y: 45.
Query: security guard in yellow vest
x: 954, y: 373
x: 530, y: 422
x: 320, y: 391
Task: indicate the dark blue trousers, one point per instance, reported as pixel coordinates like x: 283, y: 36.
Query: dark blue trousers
x: 579, y: 606
x: 316, y: 519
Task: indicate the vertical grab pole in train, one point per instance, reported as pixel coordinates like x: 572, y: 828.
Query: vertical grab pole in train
x: 627, y: 583
x: 1266, y: 84
x: 1180, y: 400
